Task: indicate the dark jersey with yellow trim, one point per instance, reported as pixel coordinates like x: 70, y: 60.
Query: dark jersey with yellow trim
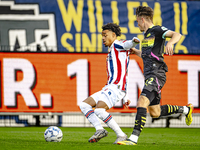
x: 153, y: 51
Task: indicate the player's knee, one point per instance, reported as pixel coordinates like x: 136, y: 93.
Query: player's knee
x: 99, y: 111
x: 83, y: 106
x: 155, y: 114
x: 143, y: 102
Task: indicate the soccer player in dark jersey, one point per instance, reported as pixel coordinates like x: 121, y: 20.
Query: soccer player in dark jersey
x: 154, y: 73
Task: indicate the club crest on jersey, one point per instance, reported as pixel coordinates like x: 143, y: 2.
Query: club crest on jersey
x: 164, y: 28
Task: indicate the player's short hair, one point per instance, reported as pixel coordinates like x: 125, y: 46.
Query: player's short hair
x: 145, y: 11
x: 112, y: 27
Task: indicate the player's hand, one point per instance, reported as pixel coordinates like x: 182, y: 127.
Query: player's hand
x: 169, y: 49
x: 126, y: 104
x: 132, y: 51
x: 135, y: 51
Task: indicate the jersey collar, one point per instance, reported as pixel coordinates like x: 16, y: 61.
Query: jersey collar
x: 149, y: 28
x: 112, y: 44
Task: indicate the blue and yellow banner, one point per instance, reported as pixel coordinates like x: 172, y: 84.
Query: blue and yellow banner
x: 75, y: 25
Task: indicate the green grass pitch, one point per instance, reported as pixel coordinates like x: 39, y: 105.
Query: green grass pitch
x: 32, y: 138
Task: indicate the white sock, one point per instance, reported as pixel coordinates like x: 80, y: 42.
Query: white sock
x: 90, y: 115
x: 133, y: 138
x: 107, y: 118
x: 185, y: 110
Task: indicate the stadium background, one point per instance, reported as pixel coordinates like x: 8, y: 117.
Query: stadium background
x: 52, y: 57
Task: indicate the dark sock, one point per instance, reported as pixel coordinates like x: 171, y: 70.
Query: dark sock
x: 140, y: 120
x: 170, y: 109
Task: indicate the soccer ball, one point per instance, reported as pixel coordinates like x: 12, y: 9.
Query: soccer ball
x: 53, y: 134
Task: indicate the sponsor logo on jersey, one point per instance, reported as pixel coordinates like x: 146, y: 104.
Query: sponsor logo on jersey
x: 148, y: 42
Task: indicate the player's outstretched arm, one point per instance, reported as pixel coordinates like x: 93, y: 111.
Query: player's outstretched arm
x: 131, y: 43
x: 175, y: 37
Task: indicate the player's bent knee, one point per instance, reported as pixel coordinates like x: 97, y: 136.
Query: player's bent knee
x: 99, y: 111
x: 154, y: 114
x: 143, y: 102
x: 84, y: 106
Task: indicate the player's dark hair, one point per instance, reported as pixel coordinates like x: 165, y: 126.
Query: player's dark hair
x: 112, y: 27
x: 145, y: 11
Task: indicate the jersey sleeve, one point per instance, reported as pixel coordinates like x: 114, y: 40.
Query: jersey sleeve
x: 161, y: 31
x: 125, y: 44
x: 125, y: 98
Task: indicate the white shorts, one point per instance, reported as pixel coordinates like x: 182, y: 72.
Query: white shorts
x: 109, y: 94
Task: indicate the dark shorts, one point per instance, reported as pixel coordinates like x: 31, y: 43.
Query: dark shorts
x: 152, y: 89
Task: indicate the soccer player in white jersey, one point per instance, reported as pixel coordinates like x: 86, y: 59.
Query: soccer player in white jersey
x: 115, y: 88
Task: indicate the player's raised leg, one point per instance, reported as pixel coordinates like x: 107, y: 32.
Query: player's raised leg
x: 167, y: 110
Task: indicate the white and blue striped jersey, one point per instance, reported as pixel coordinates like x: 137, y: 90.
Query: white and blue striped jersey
x: 117, y: 63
